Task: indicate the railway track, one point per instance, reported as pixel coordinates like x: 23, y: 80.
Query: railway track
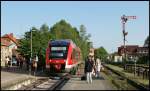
x: 33, y: 84
x: 60, y: 83
x: 47, y: 83
x: 53, y: 82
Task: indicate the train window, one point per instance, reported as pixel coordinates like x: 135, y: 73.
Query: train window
x: 58, y: 52
x: 58, y: 48
x: 58, y: 55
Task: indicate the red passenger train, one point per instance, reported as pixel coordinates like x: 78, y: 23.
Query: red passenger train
x: 62, y: 55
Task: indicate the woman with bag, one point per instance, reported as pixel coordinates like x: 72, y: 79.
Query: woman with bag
x: 89, y: 67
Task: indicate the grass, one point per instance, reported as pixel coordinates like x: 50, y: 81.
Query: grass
x: 144, y: 81
x: 130, y: 75
x: 109, y: 78
x: 119, y: 84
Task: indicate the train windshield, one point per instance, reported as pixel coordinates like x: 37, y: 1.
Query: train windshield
x: 58, y: 52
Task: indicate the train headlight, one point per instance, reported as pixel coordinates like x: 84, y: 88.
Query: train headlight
x: 65, y: 60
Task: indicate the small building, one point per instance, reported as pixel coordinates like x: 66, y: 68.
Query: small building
x: 117, y: 58
x: 9, y: 45
x: 114, y: 57
x: 141, y: 51
x: 133, y: 51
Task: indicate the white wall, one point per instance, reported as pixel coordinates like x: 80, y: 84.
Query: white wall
x: 117, y: 58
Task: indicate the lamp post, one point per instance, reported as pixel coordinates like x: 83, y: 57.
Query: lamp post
x: 135, y: 59
x: 30, y: 54
x: 31, y: 51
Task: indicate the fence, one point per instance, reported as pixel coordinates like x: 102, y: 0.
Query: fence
x: 138, y: 70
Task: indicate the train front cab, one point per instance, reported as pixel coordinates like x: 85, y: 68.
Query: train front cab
x: 68, y: 64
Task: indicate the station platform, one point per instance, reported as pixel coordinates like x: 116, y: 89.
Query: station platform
x: 13, y: 75
x: 10, y: 78
x: 97, y: 84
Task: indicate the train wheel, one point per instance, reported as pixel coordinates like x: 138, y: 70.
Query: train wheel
x: 52, y: 70
x: 47, y: 71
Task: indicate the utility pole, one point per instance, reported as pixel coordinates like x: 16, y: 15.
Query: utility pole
x: 124, y: 20
x: 30, y: 54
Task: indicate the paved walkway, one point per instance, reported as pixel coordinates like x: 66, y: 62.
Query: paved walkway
x: 15, y: 74
x: 8, y: 78
x: 98, y: 84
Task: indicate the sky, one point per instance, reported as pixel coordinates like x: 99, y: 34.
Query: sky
x: 102, y: 19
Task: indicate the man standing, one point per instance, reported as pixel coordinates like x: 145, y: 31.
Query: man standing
x: 9, y: 61
x: 6, y: 61
x: 89, y: 67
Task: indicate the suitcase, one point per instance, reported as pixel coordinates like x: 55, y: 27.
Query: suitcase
x: 83, y: 78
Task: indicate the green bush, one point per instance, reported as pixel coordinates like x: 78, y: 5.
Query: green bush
x: 143, y: 60
x: 120, y: 64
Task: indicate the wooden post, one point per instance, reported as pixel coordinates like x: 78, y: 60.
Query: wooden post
x: 138, y: 71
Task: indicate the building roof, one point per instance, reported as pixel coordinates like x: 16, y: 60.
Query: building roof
x: 142, y: 48
x: 131, y: 49
x: 115, y: 54
x: 4, y: 42
x: 129, y: 46
x: 10, y: 37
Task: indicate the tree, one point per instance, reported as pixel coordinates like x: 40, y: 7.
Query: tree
x: 146, y: 43
x: 101, y: 53
x: 144, y: 59
x: 84, y: 41
x: 45, y: 36
x: 63, y: 30
x: 40, y: 38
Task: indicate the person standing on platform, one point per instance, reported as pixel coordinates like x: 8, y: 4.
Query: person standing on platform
x: 89, y: 67
x: 9, y: 61
x: 98, y: 67
x: 6, y: 62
